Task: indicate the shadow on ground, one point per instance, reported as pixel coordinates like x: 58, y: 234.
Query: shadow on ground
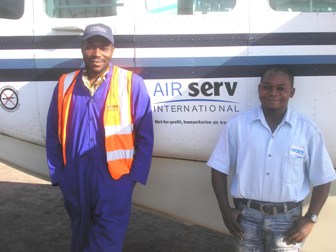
x: 32, y: 218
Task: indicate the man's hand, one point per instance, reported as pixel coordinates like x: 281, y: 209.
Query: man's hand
x: 231, y: 220
x: 230, y: 215
x: 303, y: 226
x: 299, y: 232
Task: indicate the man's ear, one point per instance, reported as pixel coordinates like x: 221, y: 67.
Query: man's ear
x: 292, y: 93
x: 82, y: 46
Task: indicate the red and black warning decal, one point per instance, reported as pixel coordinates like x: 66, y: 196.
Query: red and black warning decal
x: 9, y: 99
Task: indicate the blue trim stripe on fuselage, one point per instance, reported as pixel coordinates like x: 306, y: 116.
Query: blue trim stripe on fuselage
x: 178, y: 67
x: 168, y: 68
x: 6, y: 64
x: 52, y: 74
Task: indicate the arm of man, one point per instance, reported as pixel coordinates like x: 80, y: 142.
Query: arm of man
x: 53, y: 145
x: 321, y: 173
x: 304, y: 226
x: 230, y: 215
x: 143, y: 128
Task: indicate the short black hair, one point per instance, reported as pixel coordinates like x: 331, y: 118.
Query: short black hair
x: 279, y: 68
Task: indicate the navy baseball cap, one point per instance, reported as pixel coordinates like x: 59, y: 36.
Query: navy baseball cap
x: 98, y: 30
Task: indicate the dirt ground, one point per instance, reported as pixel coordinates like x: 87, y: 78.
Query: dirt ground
x: 33, y: 219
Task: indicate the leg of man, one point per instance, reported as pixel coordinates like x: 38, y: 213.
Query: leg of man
x: 99, y: 207
x: 73, y: 184
x: 252, y: 224
x: 265, y: 232
x: 111, y: 208
x: 274, y: 228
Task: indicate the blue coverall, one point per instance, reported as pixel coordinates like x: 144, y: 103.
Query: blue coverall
x: 99, y: 206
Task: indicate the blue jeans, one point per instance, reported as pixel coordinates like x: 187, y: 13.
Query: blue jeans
x: 264, y: 233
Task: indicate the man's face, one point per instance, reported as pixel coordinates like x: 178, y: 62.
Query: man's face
x: 275, y: 90
x: 97, y: 53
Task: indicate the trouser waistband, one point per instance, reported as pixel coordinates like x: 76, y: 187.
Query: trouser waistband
x: 269, y: 208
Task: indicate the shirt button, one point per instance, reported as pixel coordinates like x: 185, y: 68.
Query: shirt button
x: 269, y: 155
x: 91, y: 139
x: 267, y: 173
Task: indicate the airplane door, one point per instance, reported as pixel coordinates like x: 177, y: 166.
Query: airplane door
x: 301, y: 34
x: 187, y: 51
x: 58, y: 26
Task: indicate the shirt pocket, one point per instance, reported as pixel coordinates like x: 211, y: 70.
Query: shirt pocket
x: 293, y: 169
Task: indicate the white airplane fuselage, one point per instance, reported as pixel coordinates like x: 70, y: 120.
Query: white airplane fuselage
x: 200, y: 69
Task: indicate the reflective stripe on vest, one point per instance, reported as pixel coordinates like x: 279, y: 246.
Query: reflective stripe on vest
x: 118, y: 121
x: 65, y: 87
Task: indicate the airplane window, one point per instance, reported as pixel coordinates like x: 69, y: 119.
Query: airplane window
x: 82, y: 9
x: 188, y: 7
x: 11, y: 9
x: 304, y: 5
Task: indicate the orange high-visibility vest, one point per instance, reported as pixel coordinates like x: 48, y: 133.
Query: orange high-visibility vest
x: 118, y: 121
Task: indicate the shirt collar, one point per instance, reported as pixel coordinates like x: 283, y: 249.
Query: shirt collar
x: 102, y: 76
x: 94, y: 86
x: 258, y: 115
